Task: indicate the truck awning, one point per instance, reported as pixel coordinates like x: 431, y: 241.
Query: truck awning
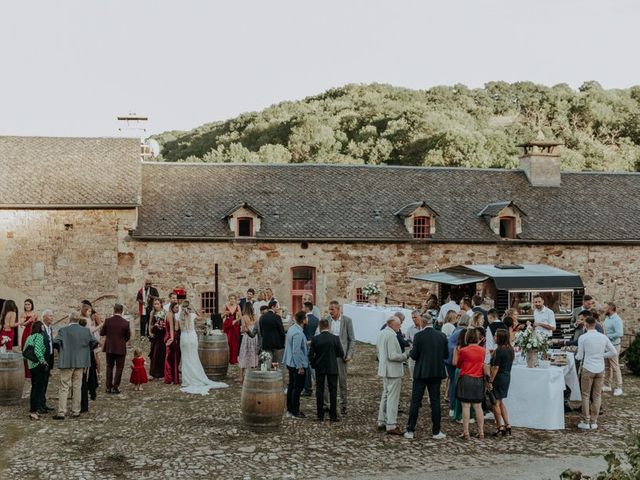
x: 450, y: 278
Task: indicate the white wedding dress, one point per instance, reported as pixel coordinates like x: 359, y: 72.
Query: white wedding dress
x: 194, y: 380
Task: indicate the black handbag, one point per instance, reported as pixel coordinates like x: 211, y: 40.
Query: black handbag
x: 29, y: 353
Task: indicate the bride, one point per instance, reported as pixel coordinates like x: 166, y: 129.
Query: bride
x: 194, y: 380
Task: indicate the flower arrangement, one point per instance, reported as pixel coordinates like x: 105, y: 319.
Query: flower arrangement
x: 265, y: 361
x: 3, y: 343
x: 371, y: 288
x: 525, y: 307
x: 529, y: 340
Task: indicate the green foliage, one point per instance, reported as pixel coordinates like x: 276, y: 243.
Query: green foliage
x: 442, y: 126
x: 617, y: 469
x: 632, y: 355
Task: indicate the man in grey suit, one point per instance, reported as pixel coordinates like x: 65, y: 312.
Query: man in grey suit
x: 391, y: 368
x: 342, y: 327
x: 75, y: 344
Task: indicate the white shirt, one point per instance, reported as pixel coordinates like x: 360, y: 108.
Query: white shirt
x: 593, y: 348
x: 412, y: 332
x: 544, y: 315
x: 446, y: 308
x: 50, y: 333
x: 448, y: 329
x: 335, y: 326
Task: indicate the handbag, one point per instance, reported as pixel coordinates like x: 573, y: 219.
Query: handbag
x: 29, y: 353
x: 489, y: 399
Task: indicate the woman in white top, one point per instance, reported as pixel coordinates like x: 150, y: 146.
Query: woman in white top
x: 261, y: 300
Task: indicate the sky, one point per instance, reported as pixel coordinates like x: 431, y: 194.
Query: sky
x: 70, y: 67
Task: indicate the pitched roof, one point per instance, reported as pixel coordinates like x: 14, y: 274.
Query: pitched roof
x: 412, y: 207
x: 339, y: 203
x: 495, y: 208
x: 54, y: 172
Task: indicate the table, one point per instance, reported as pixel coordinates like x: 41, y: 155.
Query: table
x: 536, y: 397
x: 367, y: 321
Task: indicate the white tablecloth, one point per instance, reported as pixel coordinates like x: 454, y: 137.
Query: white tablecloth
x: 367, y: 321
x: 536, y: 398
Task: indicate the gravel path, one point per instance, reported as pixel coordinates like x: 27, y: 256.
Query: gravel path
x: 163, y: 433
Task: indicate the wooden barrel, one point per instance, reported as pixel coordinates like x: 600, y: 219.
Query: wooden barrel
x: 262, y: 400
x: 214, y: 355
x: 11, y: 378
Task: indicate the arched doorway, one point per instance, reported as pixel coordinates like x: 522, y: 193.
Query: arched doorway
x: 303, y: 280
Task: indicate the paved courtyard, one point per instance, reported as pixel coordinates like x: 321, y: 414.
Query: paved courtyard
x: 163, y: 433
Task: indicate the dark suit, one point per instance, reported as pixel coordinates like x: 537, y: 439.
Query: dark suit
x: 323, y: 357
x: 116, y: 332
x: 430, y: 350
x: 272, y: 334
x: 152, y: 294
x: 309, y: 331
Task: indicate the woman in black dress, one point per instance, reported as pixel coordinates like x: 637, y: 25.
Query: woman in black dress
x: 501, y: 362
x: 157, y: 333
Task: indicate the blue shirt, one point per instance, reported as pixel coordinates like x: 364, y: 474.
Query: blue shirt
x: 295, y: 348
x: 613, y: 326
x: 453, y: 341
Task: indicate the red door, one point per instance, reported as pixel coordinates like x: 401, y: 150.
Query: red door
x: 303, y: 280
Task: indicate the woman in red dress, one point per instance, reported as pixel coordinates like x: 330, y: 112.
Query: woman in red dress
x: 27, y: 319
x: 231, y: 326
x: 172, y: 342
x: 8, y: 324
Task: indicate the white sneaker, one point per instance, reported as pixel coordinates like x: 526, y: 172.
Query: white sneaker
x: 472, y: 420
x: 439, y: 436
x: 489, y: 416
x: 594, y: 426
x: 451, y: 413
x: 617, y: 392
x: 408, y: 435
x: 606, y: 389
x: 289, y: 415
x: 584, y: 426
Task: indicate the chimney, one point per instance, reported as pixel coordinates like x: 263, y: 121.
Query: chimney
x: 540, y: 162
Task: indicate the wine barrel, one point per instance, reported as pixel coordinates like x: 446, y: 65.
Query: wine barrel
x: 262, y: 400
x: 213, y: 351
x: 11, y: 378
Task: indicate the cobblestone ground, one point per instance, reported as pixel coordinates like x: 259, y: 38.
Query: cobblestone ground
x: 164, y: 433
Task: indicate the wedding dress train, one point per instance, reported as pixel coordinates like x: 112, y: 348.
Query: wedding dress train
x: 194, y: 380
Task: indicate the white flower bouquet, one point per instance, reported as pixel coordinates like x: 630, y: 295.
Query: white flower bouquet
x: 529, y: 340
x: 371, y: 288
x: 264, y: 360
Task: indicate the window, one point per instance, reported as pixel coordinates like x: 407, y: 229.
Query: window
x: 207, y: 302
x: 303, y: 281
x: 360, y: 296
x: 507, y: 227
x: 245, y: 227
x: 421, y: 227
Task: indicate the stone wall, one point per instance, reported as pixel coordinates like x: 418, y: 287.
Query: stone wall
x: 61, y: 257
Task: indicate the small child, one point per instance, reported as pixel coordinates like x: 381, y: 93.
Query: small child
x: 138, y: 372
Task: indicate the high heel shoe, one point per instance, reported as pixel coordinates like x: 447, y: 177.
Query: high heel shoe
x: 465, y: 436
x: 480, y: 435
x: 501, y: 431
x: 507, y: 430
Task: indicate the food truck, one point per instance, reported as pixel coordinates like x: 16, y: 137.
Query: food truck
x: 513, y: 286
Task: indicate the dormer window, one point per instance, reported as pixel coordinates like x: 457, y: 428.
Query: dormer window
x: 507, y: 227
x: 244, y: 221
x: 245, y: 227
x: 504, y: 218
x: 419, y: 219
x: 421, y: 227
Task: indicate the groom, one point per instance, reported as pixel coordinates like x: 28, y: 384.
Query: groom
x: 117, y: 333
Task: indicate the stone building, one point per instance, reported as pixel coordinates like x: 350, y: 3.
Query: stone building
x: 86, y: 218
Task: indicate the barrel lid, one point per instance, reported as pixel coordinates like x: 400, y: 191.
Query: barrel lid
x: 10, y: 355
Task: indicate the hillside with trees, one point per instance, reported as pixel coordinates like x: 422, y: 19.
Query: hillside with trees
x: 441, y: 126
